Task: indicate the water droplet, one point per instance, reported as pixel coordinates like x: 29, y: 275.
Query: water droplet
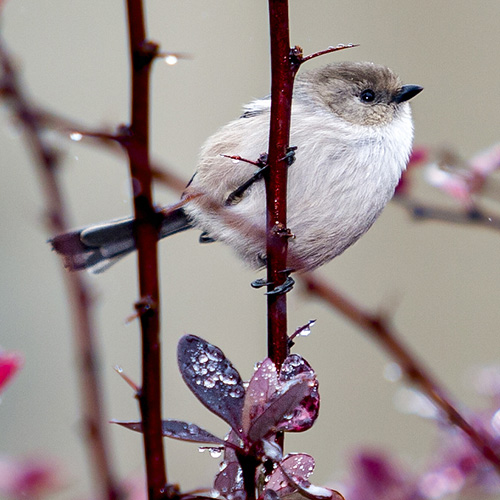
x: 215, y: 452
x: 171, y: 59
x: 237, y: 392
x: 392, y: 372
x: 412, y: 401
x: 76, y: 136
x: 209, y: 383
x: 235, y: 160
x: 203, y: 358
x: 495, y: 422
x: 202, y: 449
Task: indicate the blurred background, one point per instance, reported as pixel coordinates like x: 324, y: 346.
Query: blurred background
x: 438, y: 282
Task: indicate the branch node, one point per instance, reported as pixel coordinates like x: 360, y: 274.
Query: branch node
x: 143, y: 306
x: 147, y: 51
x: 282, y: 231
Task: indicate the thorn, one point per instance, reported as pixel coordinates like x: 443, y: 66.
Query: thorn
x: 240, y: 158
x: 127, y: 379
x: 304, y: 330
x: 336, y: 48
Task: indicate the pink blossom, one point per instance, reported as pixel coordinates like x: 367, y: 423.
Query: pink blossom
x: 31, y: 478
x: 10, y: 363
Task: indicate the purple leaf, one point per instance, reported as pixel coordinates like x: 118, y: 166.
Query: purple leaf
x: 211, y: 378
x: 177, y: 429
x: 306, y: 413
x: 229, y: 479
x: 295, y: 470
x: 313, y: 492
x: 296, y: 465
x: 282, y: 404
x: 262, y: 385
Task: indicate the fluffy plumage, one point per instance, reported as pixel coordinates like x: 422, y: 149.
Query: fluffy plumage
x: 352, y: 126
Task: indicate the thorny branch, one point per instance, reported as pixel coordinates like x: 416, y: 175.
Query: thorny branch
x: 285, y: 62
x: 283, y: 69
x: 378, y: 328
x: 142, y: 54
x: 79, y: 292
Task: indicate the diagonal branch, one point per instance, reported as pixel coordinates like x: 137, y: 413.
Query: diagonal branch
x: 378, y: 329
x: 79, y: 292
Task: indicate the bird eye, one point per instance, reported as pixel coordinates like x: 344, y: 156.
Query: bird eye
x: 367, y: 95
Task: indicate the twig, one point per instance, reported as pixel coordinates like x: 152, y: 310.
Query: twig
x: 328, y: 50
x: 142, y: 54
x: 69, y: 127
x: 471, y: 217
x: 77, y: 288
x: 379, y: 329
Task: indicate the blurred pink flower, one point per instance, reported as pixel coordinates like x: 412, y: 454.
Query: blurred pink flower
x: 374, y: 476
x: 418, y: 155
x: 30, y: 478
x: 10, y: 363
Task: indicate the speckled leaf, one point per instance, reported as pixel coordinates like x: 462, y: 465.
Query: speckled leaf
x: 262, y: 385
x: 296, y: 468
x: 229, y: 479
x: 307, y: 411
x: 280, y: 408
x: 177, y: 429
x: 212, y: 378
x: 297, y: 465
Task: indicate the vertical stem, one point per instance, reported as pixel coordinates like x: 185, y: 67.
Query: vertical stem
x: 282, y: 73
x: 142, y: 54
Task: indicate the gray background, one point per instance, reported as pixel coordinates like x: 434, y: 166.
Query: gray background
x: 439, y: 282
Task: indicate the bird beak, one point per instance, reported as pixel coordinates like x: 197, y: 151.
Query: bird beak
x: 406, y: 93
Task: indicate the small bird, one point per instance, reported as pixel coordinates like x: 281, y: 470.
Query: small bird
x: 352, y: 133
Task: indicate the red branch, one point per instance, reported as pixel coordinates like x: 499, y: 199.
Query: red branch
x: 142, y: 54
x: 379, y: 330
x: 79, y: 292
x: 283, y: 69
x: 285, y: 62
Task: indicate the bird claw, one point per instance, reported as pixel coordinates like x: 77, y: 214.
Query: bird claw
x: 290, y: 155
x: 285, y: 287
x: 259, y: 283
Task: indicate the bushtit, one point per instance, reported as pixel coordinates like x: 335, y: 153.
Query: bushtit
x: 352, y: 128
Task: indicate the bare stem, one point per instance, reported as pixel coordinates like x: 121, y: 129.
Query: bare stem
x: 142, y: 54
x: 283, y: 71
x: 379, y: 329
x: 78, y: 290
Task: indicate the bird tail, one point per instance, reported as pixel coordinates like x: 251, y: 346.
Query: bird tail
x: 98, y: 247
